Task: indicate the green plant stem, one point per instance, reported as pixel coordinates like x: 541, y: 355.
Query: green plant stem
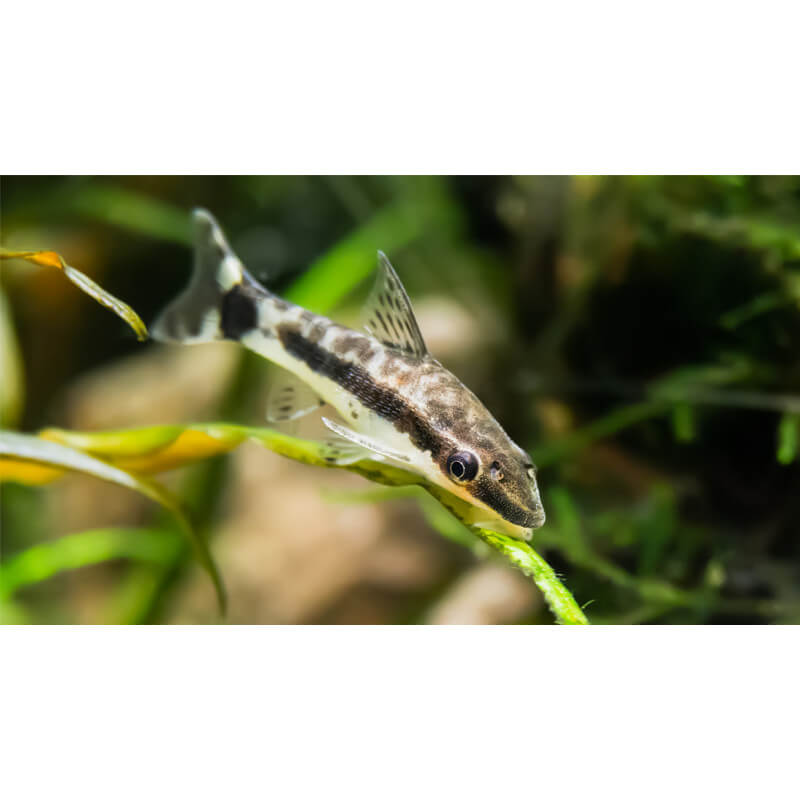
x: 522, y: 555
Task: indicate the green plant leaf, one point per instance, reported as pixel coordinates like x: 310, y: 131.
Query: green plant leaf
x: 12, y: 385
x: 788, y: 438
x: 22, y: 451
x: 164, y: 447
x: 612, y: 423
x: 43, y: 561
x: 328, y: 280
x: 134, y: 211
x: 683, y: 422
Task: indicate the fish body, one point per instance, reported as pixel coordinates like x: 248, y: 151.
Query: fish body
x: 395, y: 401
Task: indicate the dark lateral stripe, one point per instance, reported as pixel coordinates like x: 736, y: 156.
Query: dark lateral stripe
x: 359, y: 382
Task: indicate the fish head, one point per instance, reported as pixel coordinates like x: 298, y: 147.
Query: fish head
x: 480, y: 464
x: 499, y: 483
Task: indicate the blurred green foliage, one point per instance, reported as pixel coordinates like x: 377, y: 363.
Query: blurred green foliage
x: 639, y: 335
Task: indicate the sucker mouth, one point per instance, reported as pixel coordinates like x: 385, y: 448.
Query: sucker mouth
x: 527, y: 518
x: 539, y: 518
x: 533, y: 520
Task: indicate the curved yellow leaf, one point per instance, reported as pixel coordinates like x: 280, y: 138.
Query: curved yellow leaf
x: 152, y: 450
x: 126, y: 442
x: 49, y: 258
x: 28, y: 472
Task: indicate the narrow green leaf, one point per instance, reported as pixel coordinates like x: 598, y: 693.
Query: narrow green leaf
x: 754, y: 308
x: 679, y: 383
x: 612, y: 423
x: 43, y: 561
x: 788, y: 438
x: 12, y: 383
x: 133, y: 211
x: 328, y: 280
x: 17, y: 447
x: 568, y: 522
x: 683, y: 422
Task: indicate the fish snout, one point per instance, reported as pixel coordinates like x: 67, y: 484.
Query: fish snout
x: 539, y: 517
x: 536, y: 510
x: 529, y: 516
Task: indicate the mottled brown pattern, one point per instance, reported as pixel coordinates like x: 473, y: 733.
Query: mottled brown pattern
x: 316, y: 331
x: 384, y: 401
x: 353, y: 344
x: 439, y: 414
x: 460, y: 418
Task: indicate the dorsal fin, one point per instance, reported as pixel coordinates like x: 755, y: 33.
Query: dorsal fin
x: 388, y: 313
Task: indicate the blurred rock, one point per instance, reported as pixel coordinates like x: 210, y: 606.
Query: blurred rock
x: 403, y: 560
x: 288, y: 555
x: 489, y: 594
x: 284, y: 550
x: 450, y: 330
x: 165, y: 384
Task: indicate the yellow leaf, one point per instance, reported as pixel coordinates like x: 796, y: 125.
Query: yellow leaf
x: 28, y: 472
x: 44, y: 258
x: 48, y: 258
x: 151, y: 450
x: 191, y: 445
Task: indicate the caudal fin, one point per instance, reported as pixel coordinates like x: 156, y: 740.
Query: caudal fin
x: 199, y: 313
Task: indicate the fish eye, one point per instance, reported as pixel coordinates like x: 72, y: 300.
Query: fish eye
x: 462, y: 466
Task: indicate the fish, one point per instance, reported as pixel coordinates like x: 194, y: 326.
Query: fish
x: 395, y: 402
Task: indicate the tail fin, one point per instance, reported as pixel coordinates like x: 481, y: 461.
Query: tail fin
x: 196, y: 315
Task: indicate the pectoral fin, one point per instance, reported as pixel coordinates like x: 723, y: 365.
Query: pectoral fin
x: 339, y: 451
x: 289, y: 398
